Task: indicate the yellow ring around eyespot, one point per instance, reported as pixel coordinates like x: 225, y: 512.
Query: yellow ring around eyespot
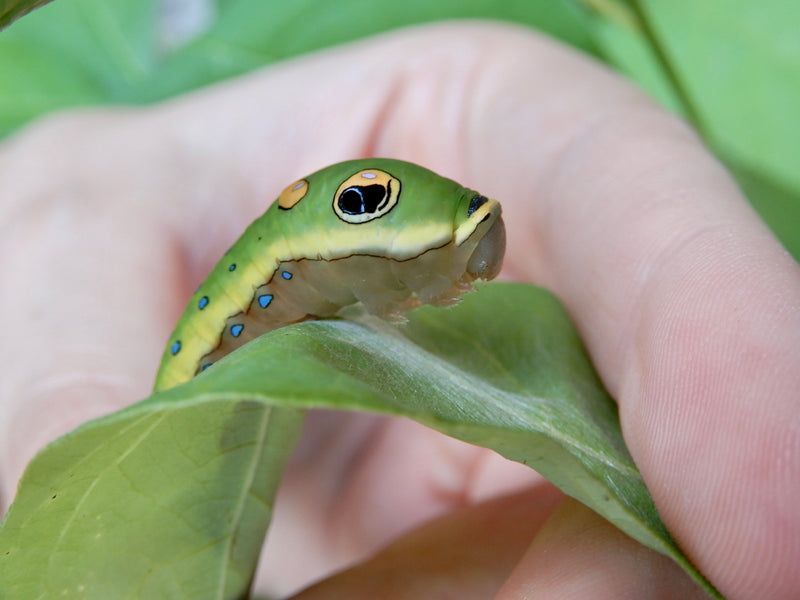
x: 293, y: 194
x: 369, y: 177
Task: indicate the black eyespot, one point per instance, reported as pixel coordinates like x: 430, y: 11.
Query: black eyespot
x: 360, y: 199
x: 476, y: 203
x: 366, y: 195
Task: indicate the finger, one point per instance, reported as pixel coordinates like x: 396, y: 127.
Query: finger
x: 687, y: 302
x: 690, y: 308
x: 466, y: 554
x: 77, y: 271
x: 357, y: 483
x: 577, y: 554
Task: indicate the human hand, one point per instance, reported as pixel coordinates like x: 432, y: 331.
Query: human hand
x: 687, y: 304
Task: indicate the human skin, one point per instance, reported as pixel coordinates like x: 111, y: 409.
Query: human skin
x: 688, y: 305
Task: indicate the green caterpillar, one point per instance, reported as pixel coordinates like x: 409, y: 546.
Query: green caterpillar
x: 386, y: 233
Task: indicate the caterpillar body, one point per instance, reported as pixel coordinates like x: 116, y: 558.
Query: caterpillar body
x: 386, y: 233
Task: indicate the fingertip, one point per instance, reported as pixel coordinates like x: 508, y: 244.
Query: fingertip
x: 466, y: 554
x: 578, y: 554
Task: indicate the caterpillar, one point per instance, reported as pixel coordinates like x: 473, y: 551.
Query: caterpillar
x: 386, y: 233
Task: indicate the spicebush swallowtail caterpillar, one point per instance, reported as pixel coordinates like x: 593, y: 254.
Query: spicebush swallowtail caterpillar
x: 386, y: 233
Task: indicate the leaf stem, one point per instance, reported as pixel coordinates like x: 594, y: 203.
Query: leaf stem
x: 689, y: 110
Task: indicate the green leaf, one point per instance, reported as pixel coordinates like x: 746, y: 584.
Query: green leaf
x: 11, y: 10
x: 171, y: 497
x: 75, y: 53
x: 728, y: 65
x: 776, y: 204
x: 738, y: 62
x: 88, y: 52
x: 252, y: 33
x: 620, y: 35
x: 32, y: 85
x: 730, y: 68
x: 161, y: 501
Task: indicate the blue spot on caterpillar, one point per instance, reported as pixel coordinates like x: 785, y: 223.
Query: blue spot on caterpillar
x: 384, y: 233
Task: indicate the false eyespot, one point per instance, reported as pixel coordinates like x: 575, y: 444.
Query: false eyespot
x: 292, y: 194
x: 367, y: 195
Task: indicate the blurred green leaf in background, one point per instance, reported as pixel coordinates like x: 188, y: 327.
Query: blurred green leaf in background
x: 732, y: 69
x: 125, y: 52
x: 729, y: 66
